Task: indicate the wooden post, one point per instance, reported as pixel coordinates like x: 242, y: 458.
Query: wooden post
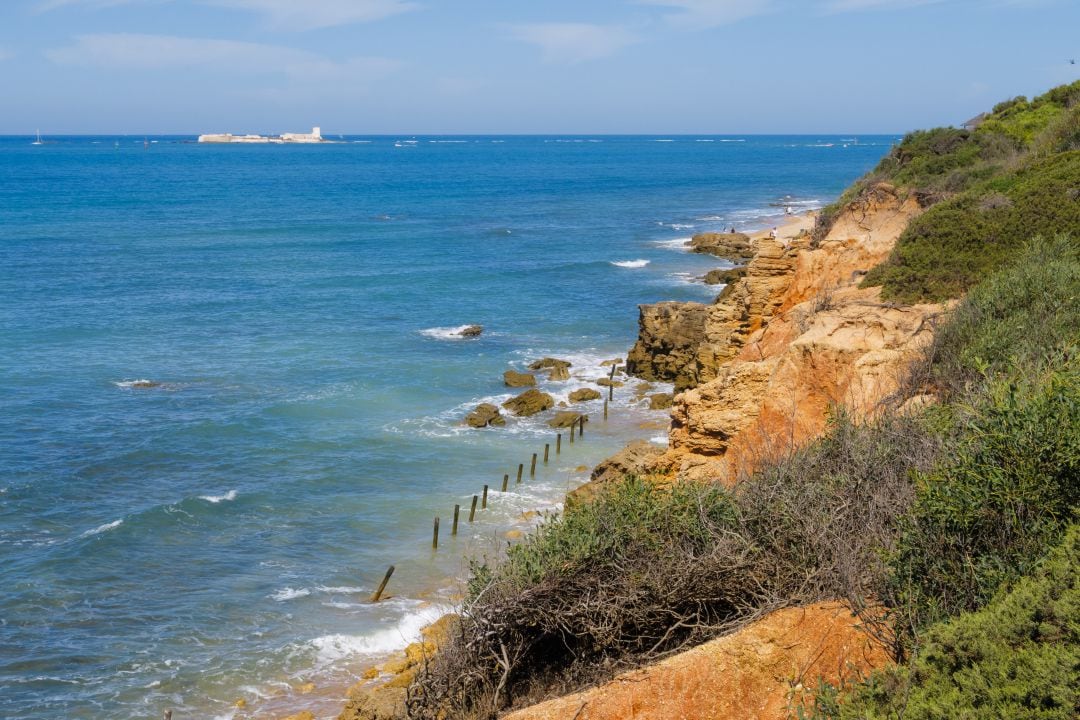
x: 605, y: 409
x: 581, y: 426
x: 547, y: 449
x: 168, y: 715
x: 521, y: 469
x: 435, y: 535
x: 611, y: 387
x: 472, y: 510
x: 558, y: 443
x: 382, y: 586
x: 506, y: 480
x: 532, y: 467
x: 571, y: 434
x: 457, y: 510
x: 484, y: 506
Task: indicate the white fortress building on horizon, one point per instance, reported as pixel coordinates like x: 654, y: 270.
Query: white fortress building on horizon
x: 315, y: 136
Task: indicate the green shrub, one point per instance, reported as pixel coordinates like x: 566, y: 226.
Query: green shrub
x: 1009, y: 487
x: 959, y: 242
x: 1017, y: 658
x: 1017, y: 318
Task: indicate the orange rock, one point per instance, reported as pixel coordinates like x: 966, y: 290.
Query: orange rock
x: 757, y: 673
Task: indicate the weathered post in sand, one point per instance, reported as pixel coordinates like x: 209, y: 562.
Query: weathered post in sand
x: 484, y: 501
x: 506, y: 481
x: 472, y: 510
x: 374, y: 598
x: 605, y: 409
x: 558, y: 443
x: 521, y: 469
x: 547, y: 449
x: 435, y: 535
x: 532, y: 466
x: 457, y: 511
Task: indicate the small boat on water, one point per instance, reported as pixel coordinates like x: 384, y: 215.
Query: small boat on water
x: 38, y: 141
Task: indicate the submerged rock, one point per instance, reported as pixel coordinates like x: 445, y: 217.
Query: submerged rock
x: 485, y: 414
x: 559, y: 373
x: 608, y: 382
x: 529, y: 402
x: 584, y: 395
x: 660, y: 401
x: 566, y: 418
x: 471, y: 331
x: 512, y: 378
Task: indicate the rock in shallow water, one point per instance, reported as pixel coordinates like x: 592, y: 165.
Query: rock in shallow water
x: 660, y: 401
x: 566, y: 418
x: 549, y: 362
x: 512, y: 378
x: 584, y: 395
x: 529, y: 402
x: 485, y: 414
x: 471, y: 331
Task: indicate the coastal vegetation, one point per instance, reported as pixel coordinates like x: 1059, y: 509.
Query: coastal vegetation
x: 950, y: 525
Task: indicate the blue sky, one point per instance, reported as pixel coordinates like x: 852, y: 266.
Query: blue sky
x: 506, y: 66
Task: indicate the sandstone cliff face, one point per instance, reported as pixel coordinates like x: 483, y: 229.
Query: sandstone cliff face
x: 669, y: 334
x: 759, y: 673
x: 792, y: 338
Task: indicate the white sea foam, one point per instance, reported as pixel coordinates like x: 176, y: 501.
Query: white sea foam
x: 734, y: 140
x: 704, y: 140
x: 445, y: 333
x: 140, y: 383
x: 215, y: 499
x: 340, y: 589
x: 659, y: 440
x: 332, y: 648
x: 290, y: 594
x: 103, y: 528
x: 664, y: 140
x: 674, y: 244
x: 630, y: 263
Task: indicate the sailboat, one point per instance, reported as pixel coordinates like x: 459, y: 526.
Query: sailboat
x: 38, y: 141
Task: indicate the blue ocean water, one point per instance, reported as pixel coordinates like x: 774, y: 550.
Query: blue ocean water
x: 216, y: 536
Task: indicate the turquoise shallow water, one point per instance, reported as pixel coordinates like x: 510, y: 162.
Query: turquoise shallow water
x: 216, y: 536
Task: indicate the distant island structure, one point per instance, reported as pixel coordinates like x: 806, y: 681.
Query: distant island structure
x: 315, y: 136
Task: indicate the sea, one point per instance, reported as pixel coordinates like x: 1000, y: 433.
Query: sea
x: 232, y: 392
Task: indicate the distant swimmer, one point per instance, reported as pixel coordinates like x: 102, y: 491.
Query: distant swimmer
x: 788, y: 210
x: 772, y: 233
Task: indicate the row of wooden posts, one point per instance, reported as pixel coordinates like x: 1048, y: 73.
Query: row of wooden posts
x: 483, y: 497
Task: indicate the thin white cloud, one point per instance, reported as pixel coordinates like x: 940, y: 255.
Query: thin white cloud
x: 574, y: 42
x: 282, y: 14
x: 129, y: 51
x: 703, y: 14
x: 840, y: 6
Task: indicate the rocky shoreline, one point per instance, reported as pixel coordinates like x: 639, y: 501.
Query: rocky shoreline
x: 755, y: 372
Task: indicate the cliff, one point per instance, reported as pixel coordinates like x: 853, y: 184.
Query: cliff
x: 762, y: 366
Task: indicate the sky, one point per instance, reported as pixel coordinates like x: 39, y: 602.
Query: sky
x: 520, y: 66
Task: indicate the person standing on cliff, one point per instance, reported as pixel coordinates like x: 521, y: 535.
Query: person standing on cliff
x: 772, y: 234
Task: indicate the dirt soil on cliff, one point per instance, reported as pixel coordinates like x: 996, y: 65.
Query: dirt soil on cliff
x: 762, y: 671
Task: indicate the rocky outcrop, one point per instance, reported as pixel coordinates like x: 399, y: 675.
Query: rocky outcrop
x: 514, y: 379
x: 584, y: 395
x: 765, y: 671
x: 471, y: 331
x: 734, y: 247
x: 669, y: 335
x: 548, y: 363
x: 725, y: 276
x: 686, y: 345
x: 529, y: 402
x: 484, y: 415
x: 660, y: 401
